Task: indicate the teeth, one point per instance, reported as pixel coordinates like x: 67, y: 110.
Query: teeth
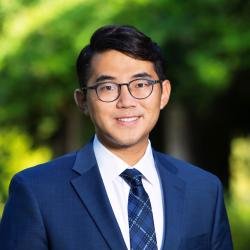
x: 129, y: 119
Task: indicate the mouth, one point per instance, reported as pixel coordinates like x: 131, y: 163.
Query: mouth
x: 128, y: 120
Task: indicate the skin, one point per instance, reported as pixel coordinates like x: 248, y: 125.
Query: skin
x: 128, y: 139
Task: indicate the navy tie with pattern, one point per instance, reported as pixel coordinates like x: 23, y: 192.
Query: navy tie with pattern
x: 141, y: 223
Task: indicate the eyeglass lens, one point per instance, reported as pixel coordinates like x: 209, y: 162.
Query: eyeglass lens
x: 138, y: 88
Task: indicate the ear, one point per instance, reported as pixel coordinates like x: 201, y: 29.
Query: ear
x: 165, y: 93
x: 81, y: 101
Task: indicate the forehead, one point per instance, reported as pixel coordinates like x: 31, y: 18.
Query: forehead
x: 119, y: 66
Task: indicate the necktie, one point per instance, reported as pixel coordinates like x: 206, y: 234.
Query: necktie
x: 141, y: 223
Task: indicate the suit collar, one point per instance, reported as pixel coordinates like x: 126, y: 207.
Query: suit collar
x: 174, y: 194
x: 85, y: 159
x: 90, y: 188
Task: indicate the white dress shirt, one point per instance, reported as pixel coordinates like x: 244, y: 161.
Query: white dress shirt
x: 117, y: 189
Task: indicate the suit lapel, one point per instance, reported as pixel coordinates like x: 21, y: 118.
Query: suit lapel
x: 90, y: 188
x: 174, y: 193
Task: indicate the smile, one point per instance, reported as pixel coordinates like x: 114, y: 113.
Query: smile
x: 132, y: 120
x: 128, y: 119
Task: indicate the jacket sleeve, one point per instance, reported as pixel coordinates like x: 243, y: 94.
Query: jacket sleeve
x: 221, y: 235
x: 22, y: 227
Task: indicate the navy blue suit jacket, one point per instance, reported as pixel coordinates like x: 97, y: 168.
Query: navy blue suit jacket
x: 63, y: 205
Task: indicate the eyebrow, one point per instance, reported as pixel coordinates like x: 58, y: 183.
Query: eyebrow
x: 141, y: 75
x: 102, y: 78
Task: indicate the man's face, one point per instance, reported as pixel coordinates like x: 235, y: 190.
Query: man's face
x: 125, y: 122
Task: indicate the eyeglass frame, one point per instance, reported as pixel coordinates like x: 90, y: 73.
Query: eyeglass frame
x: 152, y: 82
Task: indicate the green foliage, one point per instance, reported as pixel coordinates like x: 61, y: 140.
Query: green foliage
x: 239, y: 203
x: 39, y: 43
x: 240, y: 224
x: 16, y: 154
x: 206, y: 44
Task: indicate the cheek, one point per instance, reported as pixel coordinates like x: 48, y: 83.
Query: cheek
x: 152, y: 111
x: 99, y: 114
x: 154, y: 117
x: 94, y: 112
x: 152, y: 106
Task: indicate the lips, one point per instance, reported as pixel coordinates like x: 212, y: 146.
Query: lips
x: 128, y: 119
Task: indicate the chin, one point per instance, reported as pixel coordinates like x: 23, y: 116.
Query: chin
x: 125, y: 142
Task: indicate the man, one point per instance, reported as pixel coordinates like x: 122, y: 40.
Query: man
x: 117, y: 192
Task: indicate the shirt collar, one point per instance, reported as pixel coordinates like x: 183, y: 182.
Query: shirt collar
x: 111, y: 166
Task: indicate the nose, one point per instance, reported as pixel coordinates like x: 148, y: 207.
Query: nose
x: 125, y: 100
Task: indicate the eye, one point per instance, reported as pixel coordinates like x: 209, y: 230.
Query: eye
x: 106, y: 87
x: 141, y: 83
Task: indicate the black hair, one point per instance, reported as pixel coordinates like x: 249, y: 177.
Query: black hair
x: 125, y: 39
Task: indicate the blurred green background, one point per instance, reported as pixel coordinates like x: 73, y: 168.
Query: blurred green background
x: 207, y: 48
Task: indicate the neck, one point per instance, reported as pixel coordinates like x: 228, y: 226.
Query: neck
x: 129, y: 154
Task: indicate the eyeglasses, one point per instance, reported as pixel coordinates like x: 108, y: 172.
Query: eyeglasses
x: 110, y: 91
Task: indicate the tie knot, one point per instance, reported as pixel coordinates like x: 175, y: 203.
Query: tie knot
x: 132, y: 177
